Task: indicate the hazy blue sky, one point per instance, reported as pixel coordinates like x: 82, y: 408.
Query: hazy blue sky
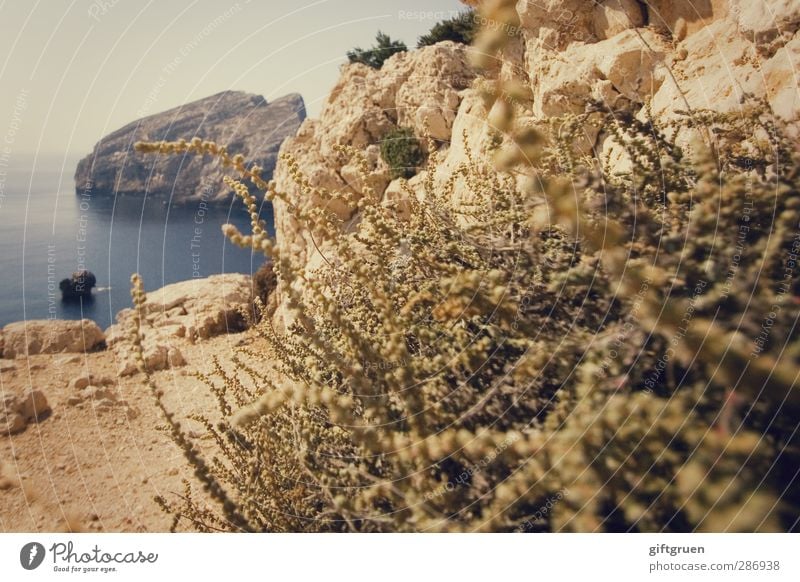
x: 73, y: 71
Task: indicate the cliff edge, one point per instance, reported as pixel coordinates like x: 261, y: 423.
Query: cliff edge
x: 245, y: 123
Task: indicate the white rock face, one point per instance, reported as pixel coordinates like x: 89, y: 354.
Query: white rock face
x: 557, y: 22
x: 613, y: 16
x: 628, y: 65
x: 765, y: 20
x: 50, y: 336
x: 674, y: 55
x: 471, y: 122
x: 409, y: 90
x: 719, y: 67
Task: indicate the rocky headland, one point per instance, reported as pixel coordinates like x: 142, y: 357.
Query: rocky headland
x: 245, y: 123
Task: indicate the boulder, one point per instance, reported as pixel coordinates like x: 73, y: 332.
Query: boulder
x: 7, y: 479
x: 50, y: 336
x: 194, y: 309
x: 33, y: 406
x: 190, y: 310
x: 245, y: 123
x: 78, y: 286
x: 81, y: 382
x: 157, y: 356
x: 12, y: 423
x: 102, y: 399
x: 18, y: 410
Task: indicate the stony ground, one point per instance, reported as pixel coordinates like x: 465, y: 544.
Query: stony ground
x: 96, y: 462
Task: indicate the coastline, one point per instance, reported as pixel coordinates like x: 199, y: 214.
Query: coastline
x: 116, y: 456
x: 195, y: 309
x: 96, y: 458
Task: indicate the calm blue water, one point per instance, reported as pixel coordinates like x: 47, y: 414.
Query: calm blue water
x: 46, y: 233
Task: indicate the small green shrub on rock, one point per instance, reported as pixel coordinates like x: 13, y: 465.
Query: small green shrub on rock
x: 385, y: 47
x: 401, y: 150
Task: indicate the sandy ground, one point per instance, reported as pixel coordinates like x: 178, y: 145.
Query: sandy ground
x: 93, y: 469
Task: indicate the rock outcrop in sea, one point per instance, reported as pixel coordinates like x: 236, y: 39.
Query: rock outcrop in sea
x: 78, y: 286
x: 243, y: 122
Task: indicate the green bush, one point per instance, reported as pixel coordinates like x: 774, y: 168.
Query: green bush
x: 401, y: 150
x: 594, y: 351
x: 385, y: 47
x: 461, y: 28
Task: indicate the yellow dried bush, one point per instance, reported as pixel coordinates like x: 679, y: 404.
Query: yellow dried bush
x: 575, y: 351
x: 457, y: 369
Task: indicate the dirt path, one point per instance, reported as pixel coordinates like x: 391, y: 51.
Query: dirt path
x: 92, y: 467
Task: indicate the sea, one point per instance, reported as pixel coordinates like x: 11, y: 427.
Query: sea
x: 48, y: 231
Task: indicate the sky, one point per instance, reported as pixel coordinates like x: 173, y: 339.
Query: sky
x: 74, y: 71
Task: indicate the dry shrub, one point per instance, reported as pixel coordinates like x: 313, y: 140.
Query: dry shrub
x: 578, y: 351
x: 579, y: 339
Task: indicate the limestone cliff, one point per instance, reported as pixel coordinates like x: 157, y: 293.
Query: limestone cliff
x: 669, y: 55
x: 246, y: 123
x: 410, y: 90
